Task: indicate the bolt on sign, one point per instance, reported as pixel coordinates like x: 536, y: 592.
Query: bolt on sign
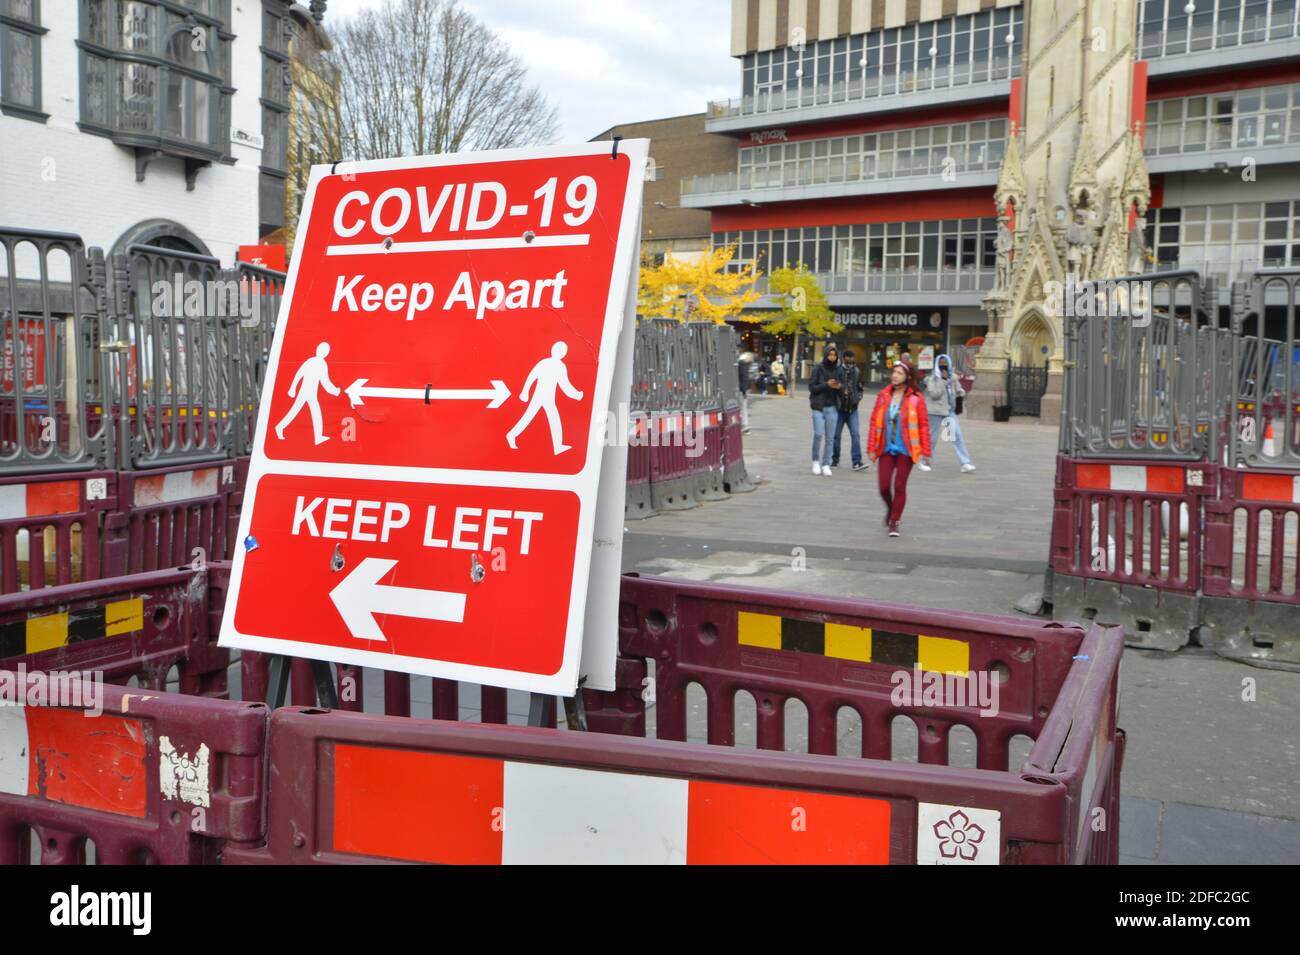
x: 423, y: 491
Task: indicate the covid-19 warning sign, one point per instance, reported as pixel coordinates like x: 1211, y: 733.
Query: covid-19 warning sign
x: 423, y: 489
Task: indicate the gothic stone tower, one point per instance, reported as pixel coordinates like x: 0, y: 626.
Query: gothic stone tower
x: 1073, y: 187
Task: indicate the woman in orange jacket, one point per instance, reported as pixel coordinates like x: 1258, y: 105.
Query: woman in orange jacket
x: 898, y: 437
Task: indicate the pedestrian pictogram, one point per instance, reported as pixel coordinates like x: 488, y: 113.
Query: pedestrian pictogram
x: 423, y: 486
x: 547, y: 377
x: 312, y: 376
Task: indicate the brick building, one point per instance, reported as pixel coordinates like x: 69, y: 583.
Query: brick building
x: 679, y: 148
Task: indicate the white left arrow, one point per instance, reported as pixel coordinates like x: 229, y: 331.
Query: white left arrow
x: 495, y: 396
x: 360, y: 595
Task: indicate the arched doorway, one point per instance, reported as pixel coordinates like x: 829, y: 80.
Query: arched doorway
x: 1031, y: 342
x: 1030, y: 347
x: 163, y: 234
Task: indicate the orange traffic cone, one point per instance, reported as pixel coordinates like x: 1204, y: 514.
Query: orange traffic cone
x: 1269, y: 448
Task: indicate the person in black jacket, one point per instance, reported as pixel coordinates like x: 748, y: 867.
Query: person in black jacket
x: 823, y: 392
x: 849, y: 397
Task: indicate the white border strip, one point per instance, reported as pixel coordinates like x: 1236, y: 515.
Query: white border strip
x: 459, y: 245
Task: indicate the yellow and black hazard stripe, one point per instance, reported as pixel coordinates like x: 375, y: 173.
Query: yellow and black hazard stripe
x: 50, y: 631
x: 847, y: 642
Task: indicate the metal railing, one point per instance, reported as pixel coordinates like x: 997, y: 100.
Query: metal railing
x: 1148, y: 386
x: 1177, y: 384
x: 684, y: 367
x: 1265, y: 415
x: 785, y: 176
x: 166, y: 370
x: 846, y: 91
x: 54, y: 370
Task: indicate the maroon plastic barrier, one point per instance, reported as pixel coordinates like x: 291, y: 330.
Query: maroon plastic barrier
x: 138, y: 626
x: 734, y: 476
x: 359, y: 787
x: 670, y: 467
x: 831, y: 654
x: 1251, y: 536
x: 353, y: 787
x: 56, y: 519
x: 170, y: 516
x: 835, y: 654
x: 638, y: 502
x: 1131, y: 522
x: 486, y: 800
x: 704, y: 456
x: 156, y: 777
x: 235, y: 502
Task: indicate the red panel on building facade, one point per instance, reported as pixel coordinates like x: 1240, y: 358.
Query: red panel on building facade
x: 1138, y: 108
x: 1169, y: 87
x: 893, y: 207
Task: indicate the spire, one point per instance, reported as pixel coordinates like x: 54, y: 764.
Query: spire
x: 1137, y: 183
x: 1083, y: 173
x: 1011, y: 180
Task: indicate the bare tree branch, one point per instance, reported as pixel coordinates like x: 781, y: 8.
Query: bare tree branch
x: 421, y: 77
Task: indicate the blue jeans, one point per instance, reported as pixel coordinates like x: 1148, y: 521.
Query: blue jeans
x: 824, y: 428
x: 851, y: 419
x: 936, y: 435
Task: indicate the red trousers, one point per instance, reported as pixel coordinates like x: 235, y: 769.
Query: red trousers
x: 892, y: 470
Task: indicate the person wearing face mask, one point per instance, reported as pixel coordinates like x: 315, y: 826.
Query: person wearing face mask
x: 897, y: 438
x: 942, y: 389
x: 823, y: 397
x: 850, y: 396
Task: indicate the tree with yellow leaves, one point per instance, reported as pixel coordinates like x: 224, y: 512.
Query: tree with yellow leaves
x: 804, y: 310
x: 699, y: 290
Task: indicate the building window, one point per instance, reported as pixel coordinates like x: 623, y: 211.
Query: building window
x: 971, y: 48
x: 923, y: 151
x: 1166, y: 29
x: 936, y: 255
x: 1269, y: 116
x: 155, y: 76
x: 20, y: 58
x: 1226, y: 240
x: 277, y: 34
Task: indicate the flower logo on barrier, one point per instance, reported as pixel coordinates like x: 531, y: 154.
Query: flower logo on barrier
x: 958, y: 837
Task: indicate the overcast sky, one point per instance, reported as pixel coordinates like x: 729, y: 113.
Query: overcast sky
x: 604, y: 62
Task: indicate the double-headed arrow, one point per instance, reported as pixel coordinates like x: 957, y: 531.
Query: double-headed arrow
x: 495, y: 396
x: 360, y: 595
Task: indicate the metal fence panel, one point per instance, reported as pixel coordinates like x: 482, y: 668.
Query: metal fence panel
x: 1265, y: 412
x: 51, y: 367
x: 264, y: 289
x: 1146, y: 386
x: 178, y: 317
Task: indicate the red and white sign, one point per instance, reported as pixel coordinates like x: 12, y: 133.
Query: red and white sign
x: 423, y: 488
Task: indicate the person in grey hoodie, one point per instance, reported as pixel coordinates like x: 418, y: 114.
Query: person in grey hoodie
x: 942, y: 389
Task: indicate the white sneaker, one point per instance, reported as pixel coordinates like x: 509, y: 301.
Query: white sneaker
x: 967, y: 468
x: 925, y: 467
x: 826, y: 469
x: 817, y: 467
